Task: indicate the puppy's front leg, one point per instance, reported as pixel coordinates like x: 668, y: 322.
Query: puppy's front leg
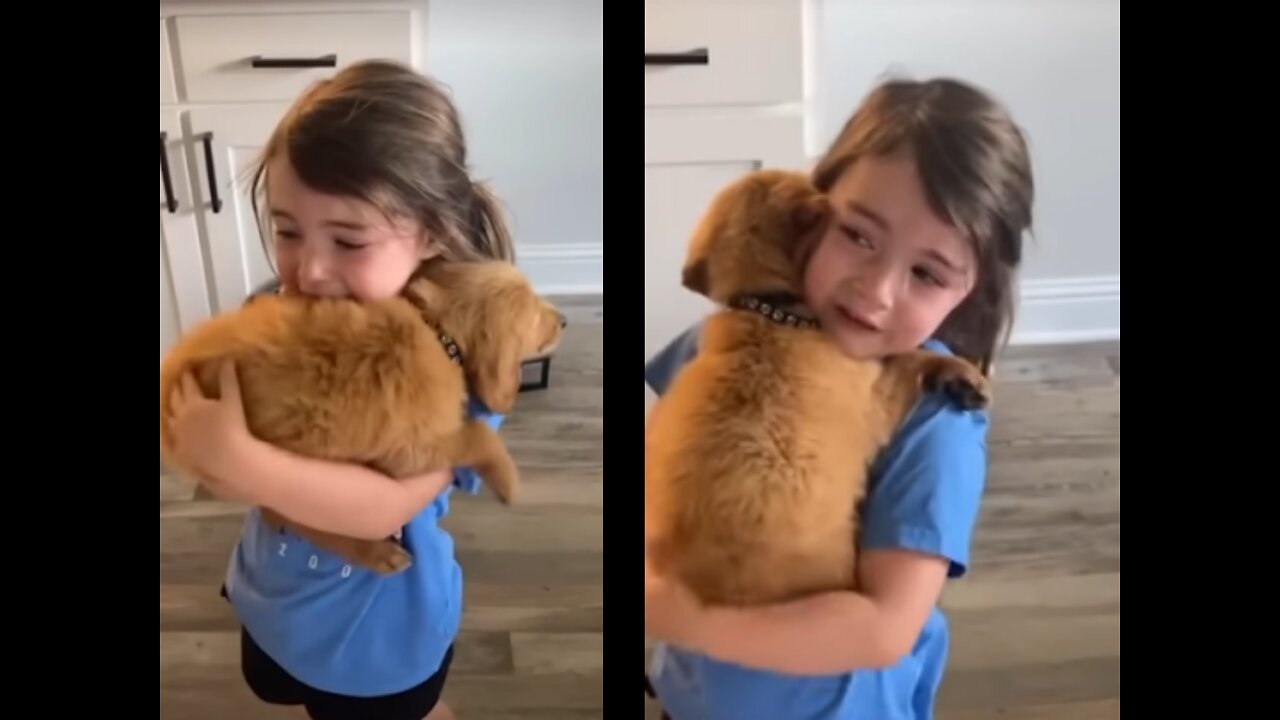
x: 908, y: 375
x: 385, y: 557
x: 477, y: 445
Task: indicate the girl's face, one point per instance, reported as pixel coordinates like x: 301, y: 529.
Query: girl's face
x: 888, y: 271
x: 339, y: 247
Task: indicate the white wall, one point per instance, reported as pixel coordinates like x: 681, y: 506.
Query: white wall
x: 1056, y: 64
x: 528, y: 79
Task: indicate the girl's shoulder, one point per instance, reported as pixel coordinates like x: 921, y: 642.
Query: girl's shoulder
x: 927, y: 484
x: 935, y: 416
x: 662, y: 368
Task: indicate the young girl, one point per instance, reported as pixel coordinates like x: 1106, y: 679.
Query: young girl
x: 933, y: 189
x: 365, y: 179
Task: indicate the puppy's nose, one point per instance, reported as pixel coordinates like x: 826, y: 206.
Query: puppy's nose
x: 564, y: 321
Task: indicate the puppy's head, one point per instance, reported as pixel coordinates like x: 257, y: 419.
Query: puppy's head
x: 498, y: 320
x: 752, y: 235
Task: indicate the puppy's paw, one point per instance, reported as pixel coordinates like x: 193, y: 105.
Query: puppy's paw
x: 960, y: 381
x: 506, y: 495
x: 385, y: 557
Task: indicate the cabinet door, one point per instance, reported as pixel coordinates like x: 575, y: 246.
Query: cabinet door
x: 233, y: 136
x: 688, y: 158
x: 184, y: 294
x: 751, y: 52
x: 168, y: 304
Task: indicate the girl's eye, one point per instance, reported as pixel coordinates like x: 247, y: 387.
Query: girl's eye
x: 345, y: 245
x: 928, y: 276
x: 856, y: 236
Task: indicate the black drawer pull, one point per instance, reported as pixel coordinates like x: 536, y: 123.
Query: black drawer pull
x: 324, y: 61
x: 214, y: 201
x: 700, y: 56
x: 165, y: 173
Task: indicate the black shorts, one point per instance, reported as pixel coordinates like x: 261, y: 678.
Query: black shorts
x: 274, y: 685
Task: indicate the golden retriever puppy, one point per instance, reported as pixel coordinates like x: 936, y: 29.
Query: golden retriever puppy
x: 757, y: 456
x: 383, y: 384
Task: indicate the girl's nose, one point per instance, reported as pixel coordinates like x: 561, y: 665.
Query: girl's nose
x: 875, y: 289
x: 313, y: 271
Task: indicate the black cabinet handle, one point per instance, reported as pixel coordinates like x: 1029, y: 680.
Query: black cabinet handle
x: 699, y: 56
x: 167, y: 175
x: 324, y: 61
x: 214, y: 201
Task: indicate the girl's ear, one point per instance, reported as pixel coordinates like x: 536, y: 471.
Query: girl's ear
x: 428, y: 249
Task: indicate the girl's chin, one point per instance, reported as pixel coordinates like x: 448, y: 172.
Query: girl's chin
x: 857, y: 345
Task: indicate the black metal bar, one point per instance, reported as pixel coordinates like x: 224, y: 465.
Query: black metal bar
x: 323, y: 61
x: 698, y: 56
x: 214, y: 201
x: 165, y: 173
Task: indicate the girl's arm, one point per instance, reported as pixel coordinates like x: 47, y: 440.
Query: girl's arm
x: 917, y: 526
x: 831, y: 633
x: 344, y: 499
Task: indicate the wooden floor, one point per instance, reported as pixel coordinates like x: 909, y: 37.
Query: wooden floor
x: 1036, y: 624
x: 532, y: 646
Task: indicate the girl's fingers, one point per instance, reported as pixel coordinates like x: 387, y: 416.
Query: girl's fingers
x: 189, y: 387
x: 175, y: 399
x: 228, y: 382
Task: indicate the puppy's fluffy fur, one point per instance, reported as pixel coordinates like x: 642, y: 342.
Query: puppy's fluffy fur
x: 756, y: 457
x: 372, y: 383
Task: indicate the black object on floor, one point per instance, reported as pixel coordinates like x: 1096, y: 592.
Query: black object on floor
x: 543, y: 364
x: 544, y: 374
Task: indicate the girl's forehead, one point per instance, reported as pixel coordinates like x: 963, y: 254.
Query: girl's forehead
x: 890, y: 183
x: 288, y: 196
x: 888, y: 194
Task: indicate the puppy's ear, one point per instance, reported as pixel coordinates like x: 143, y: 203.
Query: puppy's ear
x: 496, y: 375
x: 696, y: 278
x: 812, y: 215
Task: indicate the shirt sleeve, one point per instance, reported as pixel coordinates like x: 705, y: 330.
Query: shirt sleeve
x: 467, y: 479
x: 663, y: 367
x: 927, y: 486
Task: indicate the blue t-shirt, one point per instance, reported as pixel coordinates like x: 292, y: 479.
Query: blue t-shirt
x: 344, y: 629
x: 923, y: 496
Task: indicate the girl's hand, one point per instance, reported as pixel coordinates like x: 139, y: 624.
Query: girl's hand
x: 672, y: 612
x: 209, y: 435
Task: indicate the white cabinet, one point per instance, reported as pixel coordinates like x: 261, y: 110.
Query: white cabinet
x: 723, y: 52
x: 276, y: 56
x: 723, y: 95
x: 238, y: 261
x: 227, y: 76
x: 184, y: 296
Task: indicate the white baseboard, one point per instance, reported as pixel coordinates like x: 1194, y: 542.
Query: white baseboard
x: 1068, y: 310
x: 1051, y: 311
x: 564, y: 269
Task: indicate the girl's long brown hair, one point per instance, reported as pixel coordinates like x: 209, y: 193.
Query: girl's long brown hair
x: 976, y: 170
x: 382, y: 133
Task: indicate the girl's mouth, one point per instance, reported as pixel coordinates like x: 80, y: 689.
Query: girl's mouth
x: 856, y: 321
